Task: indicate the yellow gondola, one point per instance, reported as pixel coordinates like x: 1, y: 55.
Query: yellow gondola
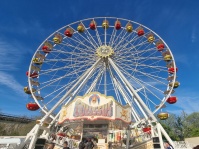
x: 80, y: 28
x: 167, y: 57
x: 163, y: 116
x: 176, y: 84
x: 129, y: 27
x: 150, y: 37
x: 37, y: 61
x: 27, y: 90
x: 105, y: 24
x: 57, y: 39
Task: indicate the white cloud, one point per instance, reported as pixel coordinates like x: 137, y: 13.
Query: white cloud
x: 9, y: 56
x: 10, y: 82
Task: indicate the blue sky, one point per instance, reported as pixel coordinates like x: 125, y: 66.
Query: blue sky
x: 25, y: 24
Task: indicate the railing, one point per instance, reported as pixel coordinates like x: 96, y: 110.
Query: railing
x: 10, y: 142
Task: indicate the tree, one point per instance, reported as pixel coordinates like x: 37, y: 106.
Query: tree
x: 182, y: 126
x: 191, y: 125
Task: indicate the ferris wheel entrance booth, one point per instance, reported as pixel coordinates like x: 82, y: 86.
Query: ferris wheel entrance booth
x: 96, y: 115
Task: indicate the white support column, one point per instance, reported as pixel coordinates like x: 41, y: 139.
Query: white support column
x: 132, y: 90
x: 160, y: 136
x: 105, y: 91
x: 165, y: 134
x: 29, y: 135
x: 136, y: 102
x: 126, y: 99
x: 136, y: 117
x: 94, y: 82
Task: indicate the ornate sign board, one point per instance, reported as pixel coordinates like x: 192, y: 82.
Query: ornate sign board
x: 95, y: 106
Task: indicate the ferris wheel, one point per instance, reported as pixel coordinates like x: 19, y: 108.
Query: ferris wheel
x: 114, y: 56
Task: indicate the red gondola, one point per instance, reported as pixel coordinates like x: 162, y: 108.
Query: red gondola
x: 147, y: 130
x: 117, y: 25
x: 140, y: 31
x: 32, y: 106
x: 172, y: 70
x: 69, y: 32
x: 172, y: 100
x: 93, y: 25
x: 160, y: 45
x: 61, y: 134
x: 47, y: 47
x: 32, y: 75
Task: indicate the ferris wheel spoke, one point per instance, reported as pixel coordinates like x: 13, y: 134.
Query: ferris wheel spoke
x: 120, y: 40
x: 66, y: 75
x: 113, y: 80
x: 126, y: 43
x: 153, y: 77
x: 123, y: 31
x: 98, y: 36
x: 89, y: 38
x: 123, y: 40
x: 93, y: 85
x: 64, y: 67
x: 143, y: 82
x: 140, y: 67
x: 77, y: 41
x: 112, y: 36
x: 136, y: 50
x: 75, y: 48
x: 74, y: 54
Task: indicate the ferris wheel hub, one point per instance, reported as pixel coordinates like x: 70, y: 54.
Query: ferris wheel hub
x: 104, y: 51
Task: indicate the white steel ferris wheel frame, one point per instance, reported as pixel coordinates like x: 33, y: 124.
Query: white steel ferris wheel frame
x: 134, y: 96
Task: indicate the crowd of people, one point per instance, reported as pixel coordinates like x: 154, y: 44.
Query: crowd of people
x: 86, y: 143
x: 52, y: 145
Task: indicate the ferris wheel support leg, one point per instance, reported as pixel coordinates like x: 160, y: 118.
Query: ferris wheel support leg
x: 136, y: 117
x: 34, y: 138
x: 85, y: 75
x: 132, y: 89
x: 160, y: 136
x: 32, y: 135
x: 165, y: 134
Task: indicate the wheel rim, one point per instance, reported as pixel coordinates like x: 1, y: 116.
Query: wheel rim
x: 139, y: 60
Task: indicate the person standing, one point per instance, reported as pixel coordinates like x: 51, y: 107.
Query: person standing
x: 168, y: 146
x: 82, y: 144
x: 66, y: 145
x: 89, y: 144
x: 94, y: 143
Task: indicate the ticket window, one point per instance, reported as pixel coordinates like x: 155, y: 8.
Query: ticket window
x: 98, y: 131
